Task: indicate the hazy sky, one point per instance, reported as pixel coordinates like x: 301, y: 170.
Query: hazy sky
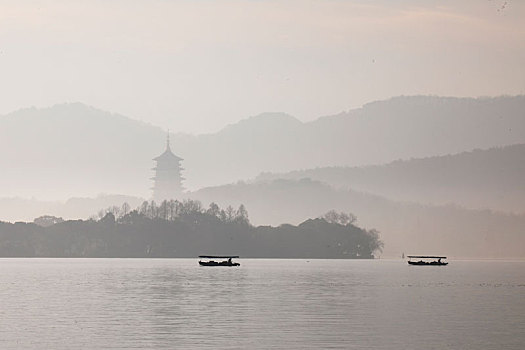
x: 196, y: 65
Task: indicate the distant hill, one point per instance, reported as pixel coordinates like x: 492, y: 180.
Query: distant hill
x: 377, y: 133
x: 404, y: 227
x: 481, y: 179
x: 75, y: 150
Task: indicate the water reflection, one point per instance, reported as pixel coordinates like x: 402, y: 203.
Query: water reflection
x: 264, y: 304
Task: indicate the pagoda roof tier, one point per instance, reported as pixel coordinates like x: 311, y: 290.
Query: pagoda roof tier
x: 173, y: 168
x: 168, y: 156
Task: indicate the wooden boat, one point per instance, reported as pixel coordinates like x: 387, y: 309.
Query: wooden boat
x: 208, y: 260
x: 425, y: 260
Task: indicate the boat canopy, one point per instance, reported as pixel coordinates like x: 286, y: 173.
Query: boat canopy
x: 426, y: 257
x: 218, y: 256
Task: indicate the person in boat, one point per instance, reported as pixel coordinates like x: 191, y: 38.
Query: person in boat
x: 439, y: 261
x: 229, y: 261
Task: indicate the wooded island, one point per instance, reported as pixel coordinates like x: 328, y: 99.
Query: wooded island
x: 185, y: 229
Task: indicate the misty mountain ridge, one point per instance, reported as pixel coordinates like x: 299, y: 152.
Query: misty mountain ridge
x: 75, y: 150
x: 479, y: 179
x: 268, y: 121
x: 69, y: 150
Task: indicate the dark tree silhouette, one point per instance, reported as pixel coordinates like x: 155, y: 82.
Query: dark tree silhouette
x: 185, y: 229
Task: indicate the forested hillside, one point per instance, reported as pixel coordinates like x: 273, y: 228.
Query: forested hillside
x: 480, y: 179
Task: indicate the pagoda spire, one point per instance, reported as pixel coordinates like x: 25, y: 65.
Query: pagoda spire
x: 168, y: 140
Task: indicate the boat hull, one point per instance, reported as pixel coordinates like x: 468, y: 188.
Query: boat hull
x: 424, y: 263
x: 215, y: 263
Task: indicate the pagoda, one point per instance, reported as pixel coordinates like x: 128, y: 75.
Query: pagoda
x: 167, y: 180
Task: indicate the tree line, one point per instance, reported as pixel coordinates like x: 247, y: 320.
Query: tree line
x: 181, y: 229
x: 172, y: 210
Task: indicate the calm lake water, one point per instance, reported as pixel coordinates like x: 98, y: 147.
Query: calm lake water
x: 264, y: 304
